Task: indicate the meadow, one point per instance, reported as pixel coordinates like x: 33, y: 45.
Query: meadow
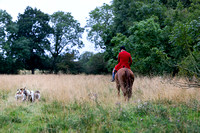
x: 89, y: 103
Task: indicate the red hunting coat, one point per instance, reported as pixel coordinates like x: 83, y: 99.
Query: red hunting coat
x: 124, y: 60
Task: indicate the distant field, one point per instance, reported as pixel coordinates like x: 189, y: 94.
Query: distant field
x: 89, y: 103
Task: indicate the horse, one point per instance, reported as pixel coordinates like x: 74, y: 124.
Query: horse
x: 124, y: 79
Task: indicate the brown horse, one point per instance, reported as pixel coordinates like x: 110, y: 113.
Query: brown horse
x: 124, y: 78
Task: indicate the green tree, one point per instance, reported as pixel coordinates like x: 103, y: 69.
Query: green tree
x: 67, y: 64
x: 5, y: 20
x: 144, y: 44
x: 93, y: 63
x: 190, y: 65
x: 84, y: 59
x: 97, y: 64
x: 32, y: 35
x: 185, y: 38
x: 66, y: 34
x: 162, y: 36
x: 194, y: 10
x: 7, y: 62
x: 125, y: 13
x: 122, y: 15
x: 100, y: 26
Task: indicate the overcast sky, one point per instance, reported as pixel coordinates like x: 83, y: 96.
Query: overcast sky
x: 79, y: 9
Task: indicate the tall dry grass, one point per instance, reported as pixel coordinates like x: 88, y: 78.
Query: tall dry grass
x: 66, y: 88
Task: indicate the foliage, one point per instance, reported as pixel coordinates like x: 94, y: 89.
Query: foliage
x: 128, y: 11
x: 5, y: 20
x: 26, y: 43
x: 158, y: 34
x: 34, y: 29
x: 146, y: 54
x: 93, y: 63
x: 97, y: 64
x: 67, y: 65
x: 190, y: 66
x: 66, y: 34
x: 186, y: 38
x: 100, y: 25
x: 7, y: 64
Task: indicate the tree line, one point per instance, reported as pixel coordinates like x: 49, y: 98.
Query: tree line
x: 41, y: 41
x: 163, y: 37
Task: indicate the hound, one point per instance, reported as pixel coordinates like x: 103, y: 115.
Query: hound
x: 24, y: 94
x: 28, y: 95
x: 37, y: 95
x: 19, y: 94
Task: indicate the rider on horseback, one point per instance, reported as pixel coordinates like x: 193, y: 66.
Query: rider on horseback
x: 124, y: 60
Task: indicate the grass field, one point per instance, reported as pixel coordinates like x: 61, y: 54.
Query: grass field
x: 89, y: 103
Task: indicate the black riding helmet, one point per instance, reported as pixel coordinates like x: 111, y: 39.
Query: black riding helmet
x: 122, y: 47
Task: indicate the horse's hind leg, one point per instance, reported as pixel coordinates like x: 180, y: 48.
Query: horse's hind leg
x: 126, y: 97
x: 129, y: 93
x: 124, y: 92
x: 118, y: 88
x: 130, y: 90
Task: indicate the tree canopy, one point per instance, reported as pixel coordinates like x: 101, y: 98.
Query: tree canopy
x: 162, y: 36
x: 66, y: 34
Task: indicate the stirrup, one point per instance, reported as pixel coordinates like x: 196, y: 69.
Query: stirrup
x: 112, y: 80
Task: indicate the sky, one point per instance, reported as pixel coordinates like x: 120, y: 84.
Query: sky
x: 79, y: 10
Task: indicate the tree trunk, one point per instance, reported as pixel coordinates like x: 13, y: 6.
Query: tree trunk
x: 54, y: 67
x: 33, y: 71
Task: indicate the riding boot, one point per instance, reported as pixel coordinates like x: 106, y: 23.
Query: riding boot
x: 113, y: 75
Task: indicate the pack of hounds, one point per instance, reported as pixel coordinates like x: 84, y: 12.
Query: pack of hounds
x: 27, y: 95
